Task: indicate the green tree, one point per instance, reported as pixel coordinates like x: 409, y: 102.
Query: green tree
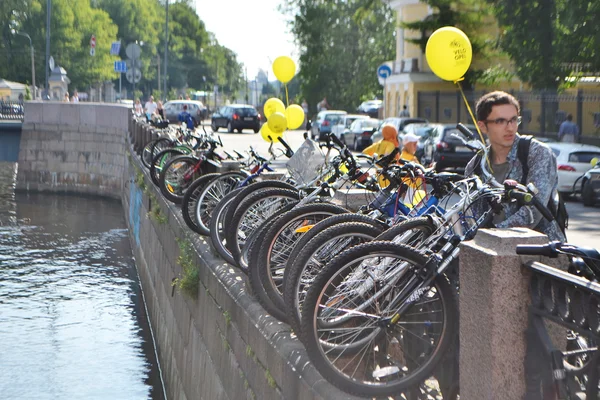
x: 341, y: 44
x: 544, y: 38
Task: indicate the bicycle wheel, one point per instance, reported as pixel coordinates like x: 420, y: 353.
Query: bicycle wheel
x: 320, y: 227
x: 176, y: 176
x: 159, y: 161
x: 211, y: 194
x: 353, y: 332
x: 247, y: 191
x: 412, y: 232
x: 314, y: 255
x: 250, y: 214
x: 265, y: 272
x: 190, y: 198
x: 217, y: 227
x: 153, y: 148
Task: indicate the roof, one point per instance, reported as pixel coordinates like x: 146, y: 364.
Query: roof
x: 4, y: 84
x: 197, y: 102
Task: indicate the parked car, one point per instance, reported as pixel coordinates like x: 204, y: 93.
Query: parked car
x: 442, y: 147
x: 321, y: 125
x: 359, y: 135
x: 590, y: 185
x: 399, y: 123
x: 236, y: 117
x: 370, y: 107
x: 573, y: 160
x: 174, y: 107
x: 342, y: 125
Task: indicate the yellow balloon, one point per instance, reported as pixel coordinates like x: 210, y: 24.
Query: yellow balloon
x: 295, y: 116
x: 277, y: 122
x: 449, y: 53
x: 273, y: 105
x: 269, y: 135
x: 284, y: 68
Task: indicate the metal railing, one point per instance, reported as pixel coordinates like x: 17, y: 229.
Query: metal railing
x: 11, y: 110
x: 563, y: 355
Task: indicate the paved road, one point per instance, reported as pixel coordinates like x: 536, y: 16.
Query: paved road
x: 584, y: 222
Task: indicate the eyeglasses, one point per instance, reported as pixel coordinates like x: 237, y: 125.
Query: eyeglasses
x: 504, y: 121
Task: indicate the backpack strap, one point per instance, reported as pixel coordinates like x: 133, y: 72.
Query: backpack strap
x: 523, y: 155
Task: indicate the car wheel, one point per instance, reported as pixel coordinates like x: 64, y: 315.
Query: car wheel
x: 256, y: 130
x: 214, y: 127
x: 587, y: 194
x: 229, y: 127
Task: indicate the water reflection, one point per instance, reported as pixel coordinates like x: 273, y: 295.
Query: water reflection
x: 72, y: 324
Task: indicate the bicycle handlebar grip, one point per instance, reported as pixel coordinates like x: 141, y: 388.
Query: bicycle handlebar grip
x: 542, y: 209
x: 336, y: 140
x: 536, y: 250
x: 465, y: 131
x: 289, y: 151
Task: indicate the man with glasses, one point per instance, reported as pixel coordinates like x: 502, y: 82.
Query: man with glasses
x: 498, y: 117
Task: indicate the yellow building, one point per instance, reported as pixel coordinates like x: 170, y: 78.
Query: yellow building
x: 12, y: 91
x: 413, y: 84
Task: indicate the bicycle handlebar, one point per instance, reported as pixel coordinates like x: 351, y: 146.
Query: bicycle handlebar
x: 289, y: 152
x: 547, y: 250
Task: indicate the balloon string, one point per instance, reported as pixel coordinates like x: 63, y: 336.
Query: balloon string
x: 472, y: 117
x: 287, y: 100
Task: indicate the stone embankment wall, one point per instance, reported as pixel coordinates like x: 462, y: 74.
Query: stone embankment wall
x: 78, y: 148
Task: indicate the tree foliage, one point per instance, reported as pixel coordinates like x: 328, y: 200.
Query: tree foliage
x: 342, y: 42
x: 196, y: 59
x: 546, y: 37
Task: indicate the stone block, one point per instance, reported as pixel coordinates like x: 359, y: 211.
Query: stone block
x: 87, y: 114
x: 494, y: 300
x: 69, y: 115
x: 51, y: 113
x: 33, y: 112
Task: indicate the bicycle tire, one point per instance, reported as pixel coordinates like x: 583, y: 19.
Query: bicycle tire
x: 321, y: 226
x: 261, y: 270
x: 340, y: 266
x: 246, y: 191
x: 217, y: 236
x: 174, y: 192
x: 160, y: 159
x: 149, y: 150
x: 421, y: 227
x: 240, y: 219
x: 190, y: 198
x: 211, y: 194
x: 296, y: 270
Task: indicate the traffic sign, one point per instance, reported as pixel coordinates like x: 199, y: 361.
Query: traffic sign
x: 137, y: 63
x: 384, y: 71
x: 133, y: 51
x: 133, y: 73
x: 115, y: 48
x: 93, y: 41
x: 120, y: 66
x: 93, y: 51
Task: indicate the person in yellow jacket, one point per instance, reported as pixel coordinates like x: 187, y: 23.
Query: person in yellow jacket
x: 386, y: 145
x: 409, y: 147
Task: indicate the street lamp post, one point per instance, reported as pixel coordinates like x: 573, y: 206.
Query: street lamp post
x: 32, y: 62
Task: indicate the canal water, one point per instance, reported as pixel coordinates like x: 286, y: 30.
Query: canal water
x: 72, y: 319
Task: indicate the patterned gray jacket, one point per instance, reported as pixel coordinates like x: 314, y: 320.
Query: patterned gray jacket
x: 543, y: 174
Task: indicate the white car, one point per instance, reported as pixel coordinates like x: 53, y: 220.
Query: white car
x: 361, y: 130
x: 573, y: 161
x: 342, y: 126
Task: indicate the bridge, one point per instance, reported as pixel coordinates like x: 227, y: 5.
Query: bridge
x: 11, y: 122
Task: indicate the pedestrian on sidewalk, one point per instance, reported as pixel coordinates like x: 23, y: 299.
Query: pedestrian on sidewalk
x: 404, y: 113
x: 568, y: 131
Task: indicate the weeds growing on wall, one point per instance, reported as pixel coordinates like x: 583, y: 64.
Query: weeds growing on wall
x: 189, y: 279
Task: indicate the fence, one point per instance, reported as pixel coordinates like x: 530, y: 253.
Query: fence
x: 542, y: 111
x: 12, y: 111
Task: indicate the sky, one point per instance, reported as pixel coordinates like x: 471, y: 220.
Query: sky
x: 255, y: 30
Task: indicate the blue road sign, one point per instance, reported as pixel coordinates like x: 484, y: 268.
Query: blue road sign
x: 120, y: 66
x: 115, y: 47
x: 384, y: 71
